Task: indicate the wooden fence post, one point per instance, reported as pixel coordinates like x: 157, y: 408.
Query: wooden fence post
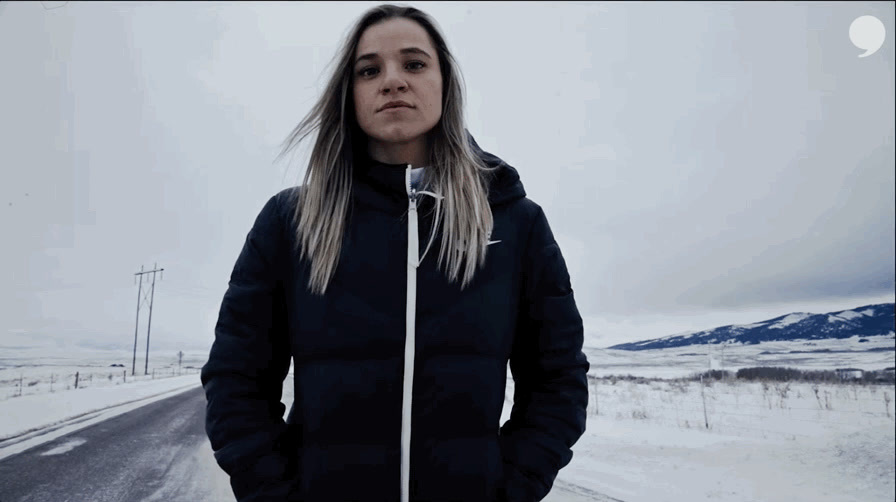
x: 705, y: 417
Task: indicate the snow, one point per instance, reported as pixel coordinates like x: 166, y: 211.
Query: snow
x: 781, y: 442
x: 750, y: 326
x: 30, y: 420
x: 877, y: 353
x: 635, y: 461
x: 197, y: 473
x: 21, y: 414
x: 851, y: 314
x: 645, y: 440
x: 43, y: 369
x: 65, y: 447
x: 685, y: 334
x: 789, y: 319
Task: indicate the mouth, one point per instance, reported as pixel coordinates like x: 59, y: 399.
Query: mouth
x: 395, y: 104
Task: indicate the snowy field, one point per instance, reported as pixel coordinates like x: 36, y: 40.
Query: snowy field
x: 875, y: 353
x: 47, y: 369
x: 39, y: 401
x: 652, y: 439
x: 738, y: 441
x: 641, y: 460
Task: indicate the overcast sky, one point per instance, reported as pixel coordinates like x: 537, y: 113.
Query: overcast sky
x: 701, y: 164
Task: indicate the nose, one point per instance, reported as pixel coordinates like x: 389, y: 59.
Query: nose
x: 394, y: 81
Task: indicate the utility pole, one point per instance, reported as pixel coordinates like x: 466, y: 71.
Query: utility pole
x: 137, y: 324
x: 149, y: 325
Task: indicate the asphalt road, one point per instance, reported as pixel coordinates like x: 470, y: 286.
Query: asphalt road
x: 158, y: 452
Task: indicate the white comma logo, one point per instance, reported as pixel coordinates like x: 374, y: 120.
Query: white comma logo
x: 868, y: 33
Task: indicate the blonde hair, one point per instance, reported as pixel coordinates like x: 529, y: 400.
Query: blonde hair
x: 456, y: 172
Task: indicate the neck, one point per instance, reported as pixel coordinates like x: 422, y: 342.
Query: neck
x: 414, y: 152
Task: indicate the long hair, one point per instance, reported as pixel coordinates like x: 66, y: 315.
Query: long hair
x: 321, y: 206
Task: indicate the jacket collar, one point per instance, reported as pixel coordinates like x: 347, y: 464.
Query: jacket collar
x: 382, y: 184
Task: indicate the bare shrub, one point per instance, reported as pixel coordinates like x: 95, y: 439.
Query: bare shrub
x: 817, y: 398
x: 765, y: 393
x: 714, y: 375
x: 777, y: 374
x: 783, y: 390
x: 679, y: 386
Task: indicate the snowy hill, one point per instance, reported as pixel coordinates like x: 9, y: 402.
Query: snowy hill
x: 866, y: 321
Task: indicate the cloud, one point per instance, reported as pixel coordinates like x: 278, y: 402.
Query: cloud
x: 693, y: 160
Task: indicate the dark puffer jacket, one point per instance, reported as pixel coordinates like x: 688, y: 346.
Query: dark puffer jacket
x: 348, y: 434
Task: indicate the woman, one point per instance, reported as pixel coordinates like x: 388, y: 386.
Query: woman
x: 400, y: 357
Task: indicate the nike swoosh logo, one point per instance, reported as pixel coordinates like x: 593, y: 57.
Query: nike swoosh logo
x: 492, y: 242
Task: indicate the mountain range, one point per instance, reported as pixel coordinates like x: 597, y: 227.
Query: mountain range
x: 865, y: 321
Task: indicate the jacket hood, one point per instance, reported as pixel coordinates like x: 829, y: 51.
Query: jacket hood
x: 389, y: 179
x: 504, y: 182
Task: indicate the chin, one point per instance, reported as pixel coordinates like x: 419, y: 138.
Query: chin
x: 398, y: 134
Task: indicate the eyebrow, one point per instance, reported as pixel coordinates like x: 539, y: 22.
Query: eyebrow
x: 408, y: 50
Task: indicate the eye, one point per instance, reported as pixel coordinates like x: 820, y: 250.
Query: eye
x: 363, y: 72
x: 373, y: 70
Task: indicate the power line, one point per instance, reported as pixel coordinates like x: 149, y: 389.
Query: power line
x: 44, y: 4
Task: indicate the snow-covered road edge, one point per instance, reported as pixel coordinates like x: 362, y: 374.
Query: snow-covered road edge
x: 34, y: 420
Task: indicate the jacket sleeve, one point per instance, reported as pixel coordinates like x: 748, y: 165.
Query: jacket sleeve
x: 249, y: 359
x: 549, y: 372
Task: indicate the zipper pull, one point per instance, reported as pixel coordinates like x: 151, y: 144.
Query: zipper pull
x: 412, y: 191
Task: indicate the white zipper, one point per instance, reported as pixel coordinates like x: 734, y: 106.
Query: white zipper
x: 414, y: 260
x: 409, y: 345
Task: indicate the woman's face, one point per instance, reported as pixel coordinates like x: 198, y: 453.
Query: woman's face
x: 395, y: 61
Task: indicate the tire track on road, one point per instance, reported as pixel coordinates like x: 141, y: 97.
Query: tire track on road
x: 582, y: 491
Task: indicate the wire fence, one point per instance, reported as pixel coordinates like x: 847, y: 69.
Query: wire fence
x: 43, y: 381
x: 758, y: 409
